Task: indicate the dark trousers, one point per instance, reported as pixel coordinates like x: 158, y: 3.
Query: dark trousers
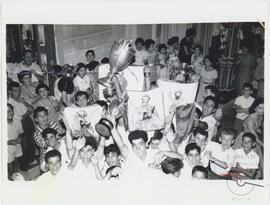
x: 28, y: 143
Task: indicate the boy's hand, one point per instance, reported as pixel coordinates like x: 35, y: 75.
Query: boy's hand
x: 94, y: 160
x: 79, y: 143
x: 159, y: 157
x: 170, y: 136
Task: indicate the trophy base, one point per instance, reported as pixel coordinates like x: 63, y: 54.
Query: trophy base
x: 104, y: 127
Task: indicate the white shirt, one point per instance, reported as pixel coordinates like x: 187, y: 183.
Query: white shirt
x: 227, y: 156
x: 211, y: 122
x: 205, y: 157
x: 137, y: 168
x: 82, y: 83
x: 247, y: 161
x: 19, y: 109
x: 244, y: 103
x: 140, y: 57
x: 186, y: 171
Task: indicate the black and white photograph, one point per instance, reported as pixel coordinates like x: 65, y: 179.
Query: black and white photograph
x: 113, y: 104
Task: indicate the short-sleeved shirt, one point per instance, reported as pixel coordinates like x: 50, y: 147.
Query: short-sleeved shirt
x: 82, y: 83
x: 247, y: 161
x: 227, y: 156
x: 208, y: 76
x: 244, y: 103
x: 211, y: 122
x: 140, y: 57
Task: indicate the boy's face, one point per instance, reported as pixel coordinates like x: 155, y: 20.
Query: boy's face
x: 10, y: 113
x: 51, y: 139
x: 28, y: 58
x: 155, y: 144
x: 246, y: 92
x: 54, y: 165
x: 43, y: 92
x: 226, y: 141
x: 260, y: 109
x: 163, y: 50
x: 90, y: 57
x: 112, y: 159
x: 139, y: 147
x: 207, y: 62
x: 81, y: 72
x: 139, y: 46
x: 26, y: 79
x: 82, y: 101
x: 151, y: 48
x: 42, y: 118
x: 198, y: 175
x: 200, y: 140
x: 247, y: 144
x: 86, y: 154
x: 197, y: 51
x: 193, y: 157
x: 208, y: 107
x: 15, y: 92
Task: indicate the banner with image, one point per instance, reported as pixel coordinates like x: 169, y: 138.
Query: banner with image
x: 146, y: 110
x: 177, y: 93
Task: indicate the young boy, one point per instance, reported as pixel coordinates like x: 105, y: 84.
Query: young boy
x: 211, y: 90
x: 53, y: 159
x: 199, y: 172
x: 242, y: 105
x: 50, y: 137
x: 222, y: 156
x: 141, y: 54
x: 42, y: 122
x: 192, y: 158
x: 246, y: 160
x: 14, y: 142
x: 208, y: 109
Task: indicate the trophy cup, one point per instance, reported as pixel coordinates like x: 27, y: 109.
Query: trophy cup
x: 120, y: 57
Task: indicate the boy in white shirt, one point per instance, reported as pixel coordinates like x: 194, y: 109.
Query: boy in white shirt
x: 141, y: 54
x: 246, y: 160
x: 222, y: 156
x: 208, y: 109
x: 242, y: 105
x: 82, y: 81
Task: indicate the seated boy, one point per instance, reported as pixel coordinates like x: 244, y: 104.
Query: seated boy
x: 246, y: 160
x: 222, y: 156
x: 14, y: 142
x: 242, y: 105
x: 199, y: 172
